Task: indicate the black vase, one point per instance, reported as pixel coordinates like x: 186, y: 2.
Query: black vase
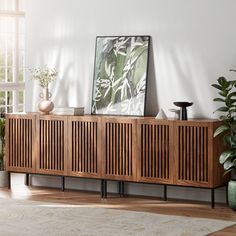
x: 183, y: 109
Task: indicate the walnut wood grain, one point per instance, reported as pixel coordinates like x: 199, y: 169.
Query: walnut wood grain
x: 138, y: 149
x: 20, y: 139
x: 119, y: 148
x: 84, y: 154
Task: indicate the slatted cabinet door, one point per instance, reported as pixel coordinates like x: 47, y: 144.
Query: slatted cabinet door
x: 119, y: 148
x: 194, y: 153
x: 52, y: 145
x: 20, y: 143
x: 155, y: 150
x: 84, y: 137
x: 116, y: 148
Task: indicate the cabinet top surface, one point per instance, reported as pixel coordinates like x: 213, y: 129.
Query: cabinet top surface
x: 146, y: 118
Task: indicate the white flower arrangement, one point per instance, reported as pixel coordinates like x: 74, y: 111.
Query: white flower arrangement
x: 44, y: 75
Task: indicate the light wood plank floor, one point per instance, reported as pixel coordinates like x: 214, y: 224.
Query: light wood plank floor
x: 144, y: 204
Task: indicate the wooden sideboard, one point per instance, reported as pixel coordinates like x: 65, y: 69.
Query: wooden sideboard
x: 133, y: 149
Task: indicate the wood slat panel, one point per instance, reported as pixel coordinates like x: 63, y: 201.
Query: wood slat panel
x: 119, y: 156
x: 155, y: 141
x: 84, y: 153
x: 119, y: 148
x: 192, y: 153
x: 52, y: 152
x: 20, y: 137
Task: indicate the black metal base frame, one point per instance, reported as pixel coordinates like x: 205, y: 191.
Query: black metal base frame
x: 121, y: 187
x: 27, y: 179
x: 103, y: 188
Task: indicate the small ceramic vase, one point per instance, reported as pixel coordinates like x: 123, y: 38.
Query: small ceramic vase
x: 45, y: 106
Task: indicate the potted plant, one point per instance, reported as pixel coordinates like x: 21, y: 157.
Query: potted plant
x: 227, y: 92
x: 3, y: 172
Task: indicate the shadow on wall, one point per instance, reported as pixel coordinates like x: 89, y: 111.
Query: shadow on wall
x: 183, y: 76
x: 62, y: 88
x: 151, y: 106
x: 189, y: 72
x: 65, y: 89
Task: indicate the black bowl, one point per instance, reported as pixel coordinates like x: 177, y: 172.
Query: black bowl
x: 183, y: 104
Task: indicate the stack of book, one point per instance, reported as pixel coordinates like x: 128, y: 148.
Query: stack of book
x: 72, y: 111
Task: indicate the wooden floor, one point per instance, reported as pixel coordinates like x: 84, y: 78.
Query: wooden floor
x: 147, y: 204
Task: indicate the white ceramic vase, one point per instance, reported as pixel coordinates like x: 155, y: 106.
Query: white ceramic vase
x: 45, y: 106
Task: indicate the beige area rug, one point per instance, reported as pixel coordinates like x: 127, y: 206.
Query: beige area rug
x: 28, y: 218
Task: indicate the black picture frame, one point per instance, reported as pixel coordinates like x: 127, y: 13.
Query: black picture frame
x: 120, y: 75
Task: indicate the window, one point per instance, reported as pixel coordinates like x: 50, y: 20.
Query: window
x: 12, y: 56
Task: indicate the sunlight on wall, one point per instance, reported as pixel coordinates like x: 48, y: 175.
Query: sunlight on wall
x: 57, y: 50
x: 182, y: 74
x: 189, y: 52
x: 182, y: 71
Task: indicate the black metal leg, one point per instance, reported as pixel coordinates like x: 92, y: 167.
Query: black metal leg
x: 62, y: 183
x: 9, y: 180
x: 165, y: 192
x: 103, y: 188
x: 212, y: 198
x: 121, y: 188
x: 27, y: 179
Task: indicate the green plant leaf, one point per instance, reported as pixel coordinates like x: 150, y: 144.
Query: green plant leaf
x: 227, y: 171
x: 222, y: 109
x: 218, y: 100
x: 221, y: 129
x: 230, y: 140
x: 232, y: 110
x: 227, y: 139
x: 232, y: 83
x: 233, y: 137
x: 233, y: 123
x: 226, y: 155
x: 222, y: 81
x: 217, y: 86
x: 223, y: 93
x: 229, y: 102
x: 228, y: 165
x: 232, y: 94
x: 223, y: 118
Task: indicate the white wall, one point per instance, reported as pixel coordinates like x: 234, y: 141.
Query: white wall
x: 193, y: 44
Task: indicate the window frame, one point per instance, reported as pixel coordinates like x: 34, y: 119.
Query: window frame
x: 16, y: 85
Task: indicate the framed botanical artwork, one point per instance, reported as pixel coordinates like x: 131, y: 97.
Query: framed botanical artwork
x: 120, y: 75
